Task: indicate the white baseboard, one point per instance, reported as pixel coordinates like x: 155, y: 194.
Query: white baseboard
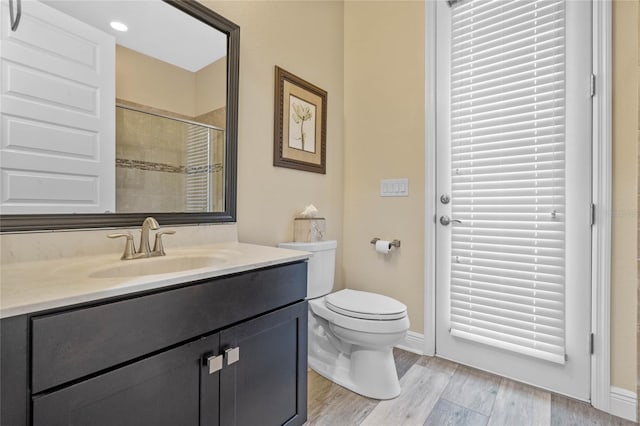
x: 413, y: 342
x: 623, y: 403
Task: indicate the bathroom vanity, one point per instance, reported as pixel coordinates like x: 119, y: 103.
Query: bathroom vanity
x: 207, y: 335
x: 225, y: 344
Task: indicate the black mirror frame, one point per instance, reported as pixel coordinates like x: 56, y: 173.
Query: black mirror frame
x: 45, y: 222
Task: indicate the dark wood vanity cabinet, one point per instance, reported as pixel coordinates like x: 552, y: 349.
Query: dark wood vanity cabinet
x: 225, y: 351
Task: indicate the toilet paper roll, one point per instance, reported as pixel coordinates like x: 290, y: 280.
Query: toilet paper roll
x: 383, y: 246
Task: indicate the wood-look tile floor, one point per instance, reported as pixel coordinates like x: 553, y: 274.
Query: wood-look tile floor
x: 437, y: 392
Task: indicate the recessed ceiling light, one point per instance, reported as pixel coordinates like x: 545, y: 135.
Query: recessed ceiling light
x: 119, y: 26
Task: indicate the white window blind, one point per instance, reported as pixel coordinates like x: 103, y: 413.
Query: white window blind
x: 198, y: 172
x: 508, y: 187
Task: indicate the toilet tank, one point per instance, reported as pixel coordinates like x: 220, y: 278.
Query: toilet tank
x: 321, y: 267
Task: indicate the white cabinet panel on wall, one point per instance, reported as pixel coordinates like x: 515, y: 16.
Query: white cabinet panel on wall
x: 57, y: 107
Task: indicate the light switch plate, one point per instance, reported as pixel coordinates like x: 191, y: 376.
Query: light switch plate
x: 394, y: 187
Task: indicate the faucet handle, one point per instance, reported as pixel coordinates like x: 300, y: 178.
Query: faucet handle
x: 129, y: 248
x: 158, y: 248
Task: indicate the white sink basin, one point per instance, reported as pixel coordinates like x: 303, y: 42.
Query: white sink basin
x: 158, y: 265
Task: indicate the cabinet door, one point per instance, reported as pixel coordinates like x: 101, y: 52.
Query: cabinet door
x: 163, y: 389
x: 267, y: 385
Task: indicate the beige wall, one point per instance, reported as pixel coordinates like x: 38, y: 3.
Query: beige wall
x: 211, y: 87
x: 385, y: 138
x: 144, y: 80
x: 305, y: 38
x: 624, y: 209
x: 638, y: 222
x: 148, y: 81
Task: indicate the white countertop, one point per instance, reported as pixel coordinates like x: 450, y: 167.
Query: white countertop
x: 27, y: 287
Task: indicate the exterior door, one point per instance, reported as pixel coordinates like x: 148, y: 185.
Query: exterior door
x: 514, y: 189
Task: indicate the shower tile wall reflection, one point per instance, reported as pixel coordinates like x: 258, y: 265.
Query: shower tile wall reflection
x: 152, y: 166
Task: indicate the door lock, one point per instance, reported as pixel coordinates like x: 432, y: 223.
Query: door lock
x: 445, y: 199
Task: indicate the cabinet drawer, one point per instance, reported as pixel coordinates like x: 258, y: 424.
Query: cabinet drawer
x: 69, y: 345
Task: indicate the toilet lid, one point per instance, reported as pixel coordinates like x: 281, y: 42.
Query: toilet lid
x: 365, y: 305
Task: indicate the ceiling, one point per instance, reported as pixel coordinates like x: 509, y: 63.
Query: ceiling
x: 156, y: 29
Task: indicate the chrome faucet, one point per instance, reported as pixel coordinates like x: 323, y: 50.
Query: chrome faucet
x: 144, y: 249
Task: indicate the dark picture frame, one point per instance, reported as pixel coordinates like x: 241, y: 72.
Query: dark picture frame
x: 300, y: 124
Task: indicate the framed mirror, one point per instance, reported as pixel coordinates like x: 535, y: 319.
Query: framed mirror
x: 104, y: 127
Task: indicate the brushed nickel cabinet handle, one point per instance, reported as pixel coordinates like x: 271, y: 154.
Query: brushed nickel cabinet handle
x: 232, y: 355
x: 214, y: 363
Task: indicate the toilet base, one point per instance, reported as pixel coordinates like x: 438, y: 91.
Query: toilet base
x: 355, y: 372
x: 370, y: 372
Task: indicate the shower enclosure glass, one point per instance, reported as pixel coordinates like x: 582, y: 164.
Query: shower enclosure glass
x: 167, y: 164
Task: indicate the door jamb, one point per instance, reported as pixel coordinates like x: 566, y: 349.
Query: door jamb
x: 601, y: 196
x: 430, y: 181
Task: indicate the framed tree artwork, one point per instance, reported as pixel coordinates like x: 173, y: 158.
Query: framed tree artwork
x: 300, y: 127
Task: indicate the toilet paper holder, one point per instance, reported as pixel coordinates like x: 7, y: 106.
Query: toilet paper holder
x: 394, y: 243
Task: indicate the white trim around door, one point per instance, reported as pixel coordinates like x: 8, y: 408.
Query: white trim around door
x: 601, y: 235
x: 430, y: 184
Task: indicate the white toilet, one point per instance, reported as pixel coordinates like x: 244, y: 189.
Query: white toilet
x: 351, y: 333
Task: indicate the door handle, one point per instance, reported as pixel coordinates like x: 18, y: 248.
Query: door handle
x: 232, y: 355
x: 15, y: 18
x: 445, y: 220
x: 214, y: 363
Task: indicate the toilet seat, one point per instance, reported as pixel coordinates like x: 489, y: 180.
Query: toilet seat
x: 319, y: 307
x: 365, y: 305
